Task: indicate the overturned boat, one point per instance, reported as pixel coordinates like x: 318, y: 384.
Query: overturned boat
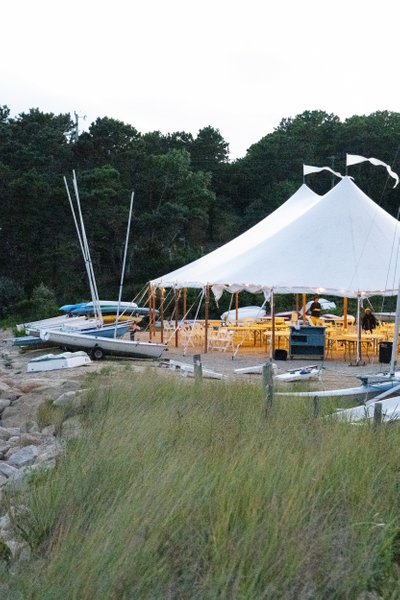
x: 51, y: 362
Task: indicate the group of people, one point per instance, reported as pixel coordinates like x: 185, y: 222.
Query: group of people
x: 368, y: 322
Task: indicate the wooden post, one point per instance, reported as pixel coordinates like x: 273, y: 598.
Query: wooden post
x: 377, y: 413
x: 268, y: 385
x: 304, y: 310
x: 345, y: 313
x: 315, y: 407
x: 297, y: 303
x: 197, y: 367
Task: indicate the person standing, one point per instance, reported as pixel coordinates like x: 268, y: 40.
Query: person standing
x: 315, y: 310
x: 368, y: 322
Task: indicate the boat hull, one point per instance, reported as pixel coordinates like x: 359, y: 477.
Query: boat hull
x: 384, y: 382
x: 52, y: 362
x: 100, y: 346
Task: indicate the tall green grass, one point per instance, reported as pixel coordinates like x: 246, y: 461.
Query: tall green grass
x: 185, y: 491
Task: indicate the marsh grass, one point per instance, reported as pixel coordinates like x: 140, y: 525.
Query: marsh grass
x: 188, y: 491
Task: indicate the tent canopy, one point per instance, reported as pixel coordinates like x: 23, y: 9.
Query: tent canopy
x: 340, y: 244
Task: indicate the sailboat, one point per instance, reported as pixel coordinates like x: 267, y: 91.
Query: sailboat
x: 100, y: 339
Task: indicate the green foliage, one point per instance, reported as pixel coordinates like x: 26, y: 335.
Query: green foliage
x: 10, y: 293
x: 44, y: 301
x: 189, y: 198
x: 190, y: 488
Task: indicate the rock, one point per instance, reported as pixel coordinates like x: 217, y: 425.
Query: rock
x: 4, y: 448
x: 4, y: 388
x: 4, y: 404
x: 68, y: 398
x: 7, y: 470
x: 7, y: 432
x: 71, y: 428
x: 36, y: 385
x: 24, y: 456
x: 3, y: 481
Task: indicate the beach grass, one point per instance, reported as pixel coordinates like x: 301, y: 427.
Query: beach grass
x: 184, y: 490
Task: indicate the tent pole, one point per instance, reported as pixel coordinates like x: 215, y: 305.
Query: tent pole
x: 162, y: 314
x: 297, y: 303
x: 237, y: 308
x: 345, y: 313
x: 304, y: 310
x: 393, y: 359
x: 273, y: 324
x: 149, y: 303
x: 184, y: 305
x: 206, y: 309
x: 153, y: 313
x: 358, y: 350
x: 176, y: 318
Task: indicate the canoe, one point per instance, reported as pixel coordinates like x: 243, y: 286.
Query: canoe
x: 82, y: 306
x: 311, y: 372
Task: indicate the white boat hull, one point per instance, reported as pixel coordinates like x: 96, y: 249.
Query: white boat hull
x: 303, y: 374
x: 52, y: 362
x: 390, y: 411
x: 383, y: 382
x: 101, y: 346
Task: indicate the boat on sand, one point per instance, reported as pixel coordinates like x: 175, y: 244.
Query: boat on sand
x: 98, y: 347
x: 51, y: 362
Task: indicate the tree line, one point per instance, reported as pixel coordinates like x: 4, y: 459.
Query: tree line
x: 189, y: 197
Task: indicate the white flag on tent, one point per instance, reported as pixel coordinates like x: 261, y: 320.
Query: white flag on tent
x: 307, y: 169
x: 354, y: 159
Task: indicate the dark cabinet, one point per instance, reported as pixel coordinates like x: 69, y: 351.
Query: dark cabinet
x: 307, y: 342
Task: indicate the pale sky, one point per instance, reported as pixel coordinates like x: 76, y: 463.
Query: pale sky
x: 181, y: 65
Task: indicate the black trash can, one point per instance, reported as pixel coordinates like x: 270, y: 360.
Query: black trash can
x: 280, y: 354
x: 385, y: 352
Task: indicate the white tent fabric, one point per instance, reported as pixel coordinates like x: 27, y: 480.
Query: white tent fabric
x: 342, y: 244
x: 201, y: 272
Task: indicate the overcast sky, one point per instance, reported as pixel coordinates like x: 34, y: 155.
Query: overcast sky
x: 180, y: 65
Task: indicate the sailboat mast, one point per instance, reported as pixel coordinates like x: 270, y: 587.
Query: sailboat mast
x: 83, y: 249
x: 124, y: 262
x: 92, y: 280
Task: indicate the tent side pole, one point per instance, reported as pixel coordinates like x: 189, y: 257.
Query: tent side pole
x: 162, y: 314
x: 237, y: 308
x: 149, y: 303
x: 304, y: 310
x: 358, y: 345
x: 272, y: 304
x: 206, y: 313
x: 393, y: 359
x: 153, y: 313
x: 184, y: 305
x: 345, y: 303
x: 176, y: 318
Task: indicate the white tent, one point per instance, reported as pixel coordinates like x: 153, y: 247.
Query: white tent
x: 341, y: 244
x: 200, y: 272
